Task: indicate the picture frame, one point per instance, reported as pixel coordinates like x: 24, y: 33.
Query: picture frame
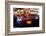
x: 9, y: 5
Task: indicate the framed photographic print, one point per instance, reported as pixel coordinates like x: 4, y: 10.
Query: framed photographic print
x: 24, y: 17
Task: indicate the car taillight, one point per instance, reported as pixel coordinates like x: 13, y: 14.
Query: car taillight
x: 28, y: 22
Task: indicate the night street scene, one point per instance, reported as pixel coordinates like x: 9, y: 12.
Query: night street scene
x: 25, y: 17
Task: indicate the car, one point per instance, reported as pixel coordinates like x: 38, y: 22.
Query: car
x: 32, y: 20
